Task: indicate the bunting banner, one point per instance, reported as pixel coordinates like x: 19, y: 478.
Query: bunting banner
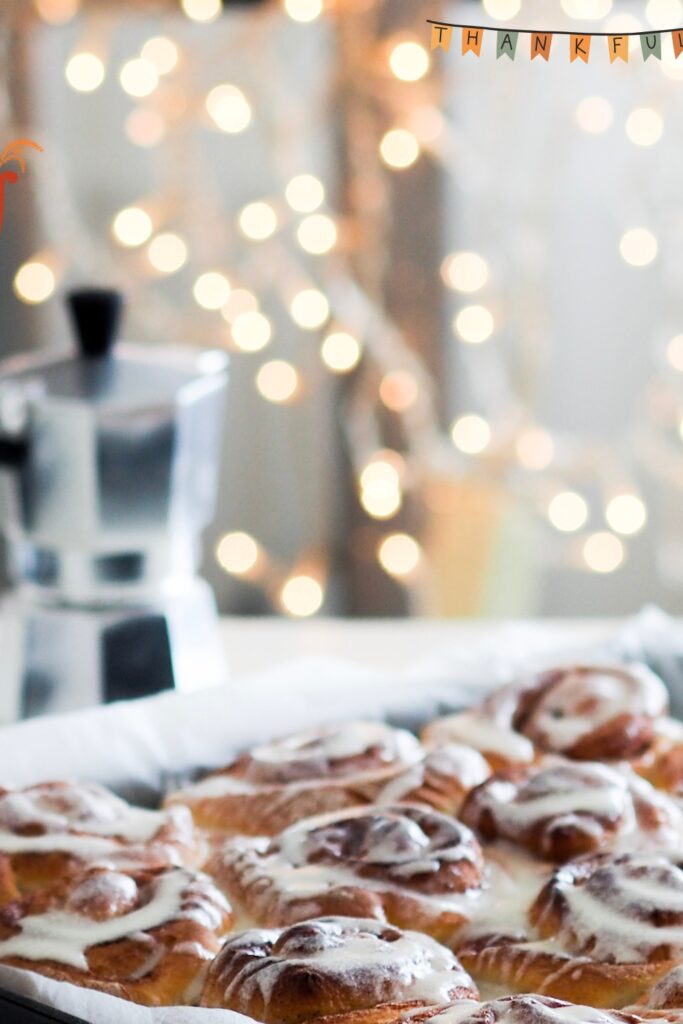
x: 618, y: 46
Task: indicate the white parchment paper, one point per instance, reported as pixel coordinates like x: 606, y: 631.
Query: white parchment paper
x: 139, y: 747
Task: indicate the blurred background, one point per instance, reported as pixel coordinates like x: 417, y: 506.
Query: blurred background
x: 450, y: 288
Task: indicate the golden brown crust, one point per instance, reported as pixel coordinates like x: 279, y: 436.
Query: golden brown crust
x: 146, y: 937
x: 405, y: 864
x: 332, y: 966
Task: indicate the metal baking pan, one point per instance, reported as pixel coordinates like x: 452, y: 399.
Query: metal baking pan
x: 16, y: 1009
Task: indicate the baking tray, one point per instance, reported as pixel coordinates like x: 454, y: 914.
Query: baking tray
x: 631, y: 643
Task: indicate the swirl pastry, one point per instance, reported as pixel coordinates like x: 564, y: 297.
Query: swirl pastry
x: 50, y: 831
x: 275, y: 785
x: 144, y: 936
x: 568, y: 808
x: 523, y: 1009
x: 441, y: 780
x: 333, y: 965
x: 611, y: 926
x: 586, y: 712
x: 408, y: 865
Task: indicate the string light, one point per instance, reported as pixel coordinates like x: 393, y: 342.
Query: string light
x: 139, y: 77
x: 474, y: 324
x: 399, y: 148
x: 626, y: 514
x: 305, y: 193
x: 340, y: 352
x: 201, y: 10
x: 674, y: 353
x: 57, y: 12
x: 587, y: 10
x: 162, y: 52
x: 167, y: 253
x: 638, y: 247
x: 277, y: 381
x: 211, y: 290
x: 302, y: 596
x: 145, y: 127
x: 465, y: 271
x: 381, y: 497
x: 399, y: 554
x: 258, y: 221
x: 84, y: 72
x: 603, y: 552
x: 568, y: 511
x: 238, y: 553
x: 388, y: 466
x: 34, y: 282
x: 251, y: 331
x: 309, y: 309
x: 317, y: 234
x: 595, y: 115
x: 535, y: 449
x: 303, y: 10
x: 132, y: 227
x: 409, y: 61
x: 471, y: 434
x: 644, y: 126
x: 228, y: 108
x: 241, y: 301
x: 398, y: 390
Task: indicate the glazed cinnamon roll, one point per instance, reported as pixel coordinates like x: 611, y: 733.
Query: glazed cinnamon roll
x: 523, y: 1009
x: 276, y: 784
x: 50, y: 831
x: 610, y: 925
x: 408, y: 865
x: 144, y: 936
x: 585, y: 712
x: 333, y: 965
x: 662, y: 762
x: 564, y: 809
x: 441, y: 780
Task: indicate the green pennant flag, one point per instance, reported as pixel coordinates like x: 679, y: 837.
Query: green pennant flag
x: 651, y: 45
x: 506, y: 43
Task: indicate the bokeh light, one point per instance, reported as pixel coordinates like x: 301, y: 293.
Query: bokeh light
x: 474, y: 324
x: 34, y: 282
x: 340, y: 352
x: 398, y: 390
x: 305, y: 193
x: 309, y: 309
x: 638, y: 247
x: 471, y: 434
x: 211, y: 290
x: 167, y: 253
x: 409, y: 61
x: 229, y: 108
x: 132, y: 227
x: 399, y: 554
x: 568, y: 511
x: 84, y: 72
x: 201, y: 10
x: 139, y: 77
x: 594, y: 114
x: 399, y: 148
x: 626, y: 514
x: 644, y: 126
x: 603, y: 552
x: 302, y: 596
x: 258, y: 221
x: 238, y: 553
x: 317, y: 234
x: 251, y: 331
x: 465, y: 271
x: 277, y: 381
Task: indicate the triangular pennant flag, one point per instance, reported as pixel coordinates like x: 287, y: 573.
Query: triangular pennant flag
x: 651, y: 45
x: 618, y: 48
x: 441, y: 37
x: 677, y: 38
x: 471, y: 40
x: 579, y: 48
x: 506, y: 43
x: 540, y: 44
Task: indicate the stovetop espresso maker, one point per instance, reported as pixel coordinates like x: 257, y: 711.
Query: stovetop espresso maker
x: 108, y: 472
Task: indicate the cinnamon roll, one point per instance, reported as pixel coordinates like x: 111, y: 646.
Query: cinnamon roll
x: 564, y: 809
x: 668, y: 992
x: 50, y: 831
x: 274, y: 785
x: 143, y: 936
x: 662, y: 762
x: 406, y: 864
x: 585, y: 712
x: 441, y: 780
x: 333, y: 965
x: 522, y: 1009
x: 609, y: 925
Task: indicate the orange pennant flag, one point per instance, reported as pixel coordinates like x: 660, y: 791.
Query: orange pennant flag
x: 618, y: 48
x: 677, y: 38
x: 441, y: 37
x: 579, y: 48
x: 471, y: 40
x: 540, y: 44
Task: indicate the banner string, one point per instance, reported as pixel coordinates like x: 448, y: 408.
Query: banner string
x: 551, y: 32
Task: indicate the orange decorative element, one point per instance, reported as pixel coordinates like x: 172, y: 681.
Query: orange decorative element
x: 13, y: 152
x: 441, y: 37
x: 677, y: 39
x: 618, y: 48
x: 540, y: 44
x: 472, y: 39
x: 579, y: 48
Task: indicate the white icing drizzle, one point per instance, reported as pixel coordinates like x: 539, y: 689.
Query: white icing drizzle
x: 344, y: 741
x: 353, y: 951
x: 525, y: 1009
x: 481, y: 730
x: 65, y: 934
x: 69, y: 817
x: 452, y: 760
x: 513, y: 881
